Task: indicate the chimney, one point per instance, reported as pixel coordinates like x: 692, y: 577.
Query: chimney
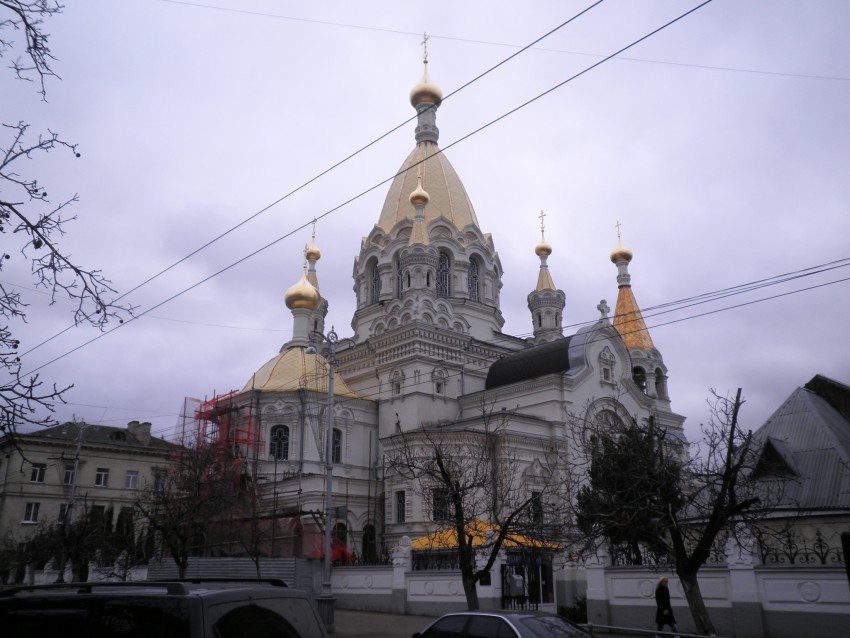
x: 140, y: 431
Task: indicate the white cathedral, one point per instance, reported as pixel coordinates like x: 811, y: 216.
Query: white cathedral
x: 426, y: 349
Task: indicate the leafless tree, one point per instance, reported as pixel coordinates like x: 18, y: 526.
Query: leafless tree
x: 472, y: 476
x: 39, y: 221
x: 642, y: 491
x: 189, y: 500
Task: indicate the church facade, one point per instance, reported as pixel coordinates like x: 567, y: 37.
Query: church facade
x: 426, y: 353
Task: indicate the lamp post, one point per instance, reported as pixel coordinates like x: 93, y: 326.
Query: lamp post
x: 326, y: 598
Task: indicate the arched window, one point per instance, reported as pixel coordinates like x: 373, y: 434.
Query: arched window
x: 472, y: 281
x: 370, y: 547
x: 660, y: 383
x: 444, y: 276
x: 340, y: 533
x: 376, y: 283
x: 639, y: 376
x: 279, y: 443
x: 336, y: 446
x: 399, y: 281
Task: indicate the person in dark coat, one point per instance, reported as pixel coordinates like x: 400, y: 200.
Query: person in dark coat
x: 664, y: 611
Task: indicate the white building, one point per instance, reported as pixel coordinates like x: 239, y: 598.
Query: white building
x: 427, y: 350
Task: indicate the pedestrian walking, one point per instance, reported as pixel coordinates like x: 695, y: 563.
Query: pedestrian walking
x: 664, y: 612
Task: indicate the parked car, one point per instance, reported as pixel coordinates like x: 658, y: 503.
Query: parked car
x: 501, y: 624
x: 162, y: 609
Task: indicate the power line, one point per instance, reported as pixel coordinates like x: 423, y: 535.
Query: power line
x: 709, y: 67
x: 319, y: 176
x: 372, y: 392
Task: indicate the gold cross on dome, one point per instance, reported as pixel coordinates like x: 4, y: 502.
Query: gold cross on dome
x: 542, y: 224
x: 425, y: 38
x: 618, y: 224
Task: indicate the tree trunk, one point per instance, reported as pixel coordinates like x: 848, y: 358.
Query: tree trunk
x: 696, y: 604
x: 471, y: 592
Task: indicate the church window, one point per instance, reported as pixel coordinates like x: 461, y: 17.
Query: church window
x: 472, y: 281
x: 279, y: 443
x: 399, y: 281
x: 438, y: 387
x: 639, y: 376
x: 441, y: 504
x: 428, y: 279
x: 370, y: 547
x: 558, y: 319
x: 376, y: 283
x: 336, y: 446
x: 408, y: 279
x: 606, y: 365
x: 539, y: 320
x: 660, y: 384
x: 444, y: 274
x: 396, y: 388
x: 536, y: 508
x: 400, y: 506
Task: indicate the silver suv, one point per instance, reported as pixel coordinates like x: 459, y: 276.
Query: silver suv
x: 163, y: 609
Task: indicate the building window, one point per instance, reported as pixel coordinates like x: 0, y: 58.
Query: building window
x: 336, y: 446
x: 444, y: 276
x: 376, y: 284
x: 340, y: 533
x: 441, y: 504
x: 370, y: 546
x: 132, y: 480
x: 160, y: 479
x: 399, y: 280
x: 101, y: 479
x: 400, y: 506
x: 64, y: 510
x: 639, y: 376
x: 438, y: 387
x: 31, y: 513
x: 472, y: 281
x: 68, y: 478
x: 37, y: 473
x: 279, y: 445
x: 536, y: 508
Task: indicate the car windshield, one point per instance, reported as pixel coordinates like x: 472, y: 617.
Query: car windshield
x: 93, y: 618
x: 552, y: 627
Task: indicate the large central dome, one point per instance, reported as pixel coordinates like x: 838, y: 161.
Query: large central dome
x: 448, y: 198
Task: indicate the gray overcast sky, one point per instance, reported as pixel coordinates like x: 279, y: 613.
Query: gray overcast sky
x: 720, y: 144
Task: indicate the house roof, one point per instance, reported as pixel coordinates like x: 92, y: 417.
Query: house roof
x: 811, y: 432
x: 107, y: 435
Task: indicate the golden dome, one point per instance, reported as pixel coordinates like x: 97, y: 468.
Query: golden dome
x: 543, y: 249
x: 621, y: 253
x: 419, y: 197
x: 302, y: 295
x: 312, y: 253
x: 426, y: 91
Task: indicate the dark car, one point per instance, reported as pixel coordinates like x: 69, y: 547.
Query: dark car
x: 501, y: 624
x: 167, y: 609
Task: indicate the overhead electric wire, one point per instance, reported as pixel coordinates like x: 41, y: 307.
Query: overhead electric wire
x: 373, y: 392
x: 808, y: 76
x: 325, y: 172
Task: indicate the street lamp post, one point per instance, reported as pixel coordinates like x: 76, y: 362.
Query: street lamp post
x: 326, y: 599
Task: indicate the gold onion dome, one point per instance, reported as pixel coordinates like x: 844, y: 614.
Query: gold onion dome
x: 419, y: 197
x: 426, y: 91
x: 621, y: 253
x: 302, y: 295
x: 543, y: 249
x: 313, y: 253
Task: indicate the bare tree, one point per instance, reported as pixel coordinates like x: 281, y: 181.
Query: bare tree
x: 39, y: 221
x: 472, y: 478
x: 642, y: 492
x: 188, y: 501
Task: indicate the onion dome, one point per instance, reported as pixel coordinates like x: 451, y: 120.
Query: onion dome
x: 621, y: 253
x: 426, y: 91
x: 302, y: 295
x: 312, y: 253
x: 543, y: 249
x: 419, y: 197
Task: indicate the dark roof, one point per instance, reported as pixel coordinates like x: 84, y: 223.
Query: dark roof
x: 531, y: 363
x: 94, y: 435
x: 812, y: 436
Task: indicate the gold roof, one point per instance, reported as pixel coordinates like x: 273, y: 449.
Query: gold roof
x: 480, y: 532
x: 446, y: 193
x: 426, y: 91
x: 629, y: 322
x: 295, y: 369
x: 544, y: 281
